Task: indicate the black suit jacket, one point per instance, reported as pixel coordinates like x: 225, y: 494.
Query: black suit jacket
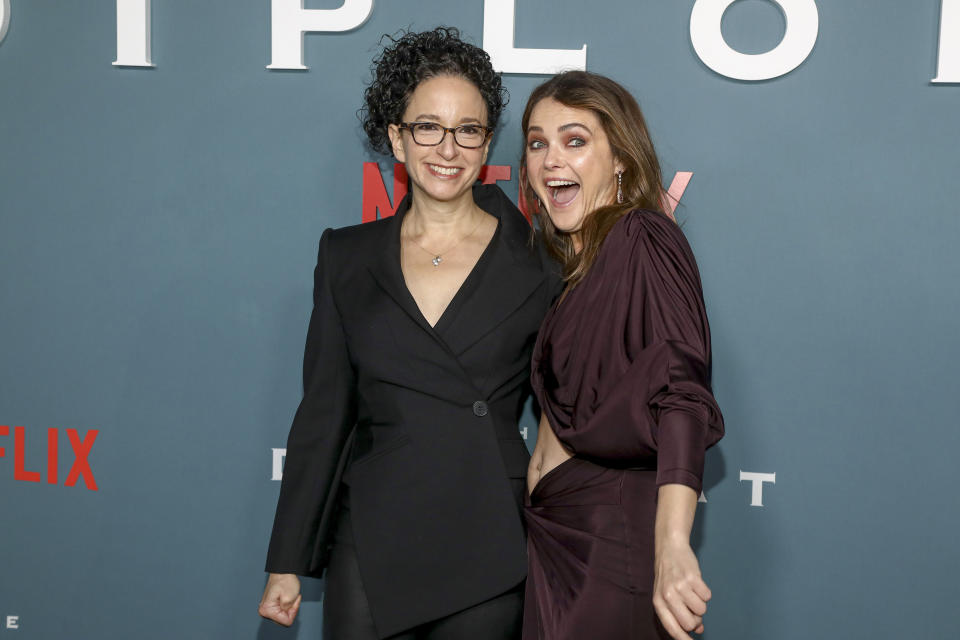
x: 420, y: 422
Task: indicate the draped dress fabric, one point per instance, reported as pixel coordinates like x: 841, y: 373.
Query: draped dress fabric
x: 622, y: 372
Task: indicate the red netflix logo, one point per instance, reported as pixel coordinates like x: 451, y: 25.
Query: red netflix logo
x: 376, y: 200
x: 81, y: 452
x: 375, y: 196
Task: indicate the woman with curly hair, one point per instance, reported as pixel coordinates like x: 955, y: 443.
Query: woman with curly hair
x: 405, y: 470
x: 622, y: 372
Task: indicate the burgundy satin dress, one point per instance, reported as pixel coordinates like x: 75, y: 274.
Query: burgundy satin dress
x: 622, y: 371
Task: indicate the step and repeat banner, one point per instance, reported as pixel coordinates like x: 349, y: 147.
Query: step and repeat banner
x: 167, y: 167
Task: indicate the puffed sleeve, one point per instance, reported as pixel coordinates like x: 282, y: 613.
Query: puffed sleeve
x: 319, y: 437
x: 627, y: 378
x: 670, y: 333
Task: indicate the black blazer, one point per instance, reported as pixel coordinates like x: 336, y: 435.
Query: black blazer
x: 420, y: 422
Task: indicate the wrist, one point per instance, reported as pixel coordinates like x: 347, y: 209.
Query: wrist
x: 671, y: 539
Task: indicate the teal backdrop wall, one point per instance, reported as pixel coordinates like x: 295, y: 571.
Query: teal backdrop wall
x: 158, y: 232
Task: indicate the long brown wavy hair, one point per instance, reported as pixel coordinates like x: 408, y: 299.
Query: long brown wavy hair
x: 626, y: 129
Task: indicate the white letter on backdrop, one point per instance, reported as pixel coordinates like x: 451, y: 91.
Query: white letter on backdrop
x: 289, y: 21
x: 948, y: 66
x: 498, y: 23
x: 756, y: 485
x: 803, y: 24
x: 133, y: 34
x: 278, y: 457
x: 4, y: 18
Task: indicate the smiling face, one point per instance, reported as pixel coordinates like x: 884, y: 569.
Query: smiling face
x: 570, y: 164
x: 445, y: 172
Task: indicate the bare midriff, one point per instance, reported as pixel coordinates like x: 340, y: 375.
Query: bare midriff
x: 548, y: 454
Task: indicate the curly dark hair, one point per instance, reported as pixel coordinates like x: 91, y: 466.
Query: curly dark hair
x: 412, y: 58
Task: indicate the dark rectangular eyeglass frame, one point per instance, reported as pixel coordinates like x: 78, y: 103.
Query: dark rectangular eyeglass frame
x: 452, y: 130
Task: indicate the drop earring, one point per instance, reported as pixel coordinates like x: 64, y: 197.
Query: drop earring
x: 619, y: 187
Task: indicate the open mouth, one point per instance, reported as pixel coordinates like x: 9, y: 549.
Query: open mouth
x: 562, y: 192
x: 444, y: 172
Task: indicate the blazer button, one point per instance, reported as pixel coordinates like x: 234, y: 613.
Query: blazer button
x: 479, y: 408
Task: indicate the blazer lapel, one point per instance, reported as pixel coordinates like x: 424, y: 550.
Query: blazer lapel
x: 512, y: 275
x: 385, y: 268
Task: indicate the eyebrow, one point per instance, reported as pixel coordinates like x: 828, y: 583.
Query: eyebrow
x: 573, y: 125
x: 570, y: 125
x: 435, y: 118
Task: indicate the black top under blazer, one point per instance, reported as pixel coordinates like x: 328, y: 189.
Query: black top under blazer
x: 420, y: 422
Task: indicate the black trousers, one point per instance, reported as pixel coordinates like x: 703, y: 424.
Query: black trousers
x: 346, y: 612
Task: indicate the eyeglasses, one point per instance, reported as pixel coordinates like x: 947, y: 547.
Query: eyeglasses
x: 430, y: 134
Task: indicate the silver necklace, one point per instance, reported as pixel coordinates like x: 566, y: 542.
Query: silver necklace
x: 438, y: 257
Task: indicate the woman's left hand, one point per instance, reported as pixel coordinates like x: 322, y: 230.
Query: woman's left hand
x: 679, y: 593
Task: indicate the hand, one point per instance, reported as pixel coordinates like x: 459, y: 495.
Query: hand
x: 679, y: 593
x: 281, y: 598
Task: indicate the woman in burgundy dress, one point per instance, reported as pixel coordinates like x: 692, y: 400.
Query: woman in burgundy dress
x: 622, y: 371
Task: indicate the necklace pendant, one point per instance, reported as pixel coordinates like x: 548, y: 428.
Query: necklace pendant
x: 436, y: 261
